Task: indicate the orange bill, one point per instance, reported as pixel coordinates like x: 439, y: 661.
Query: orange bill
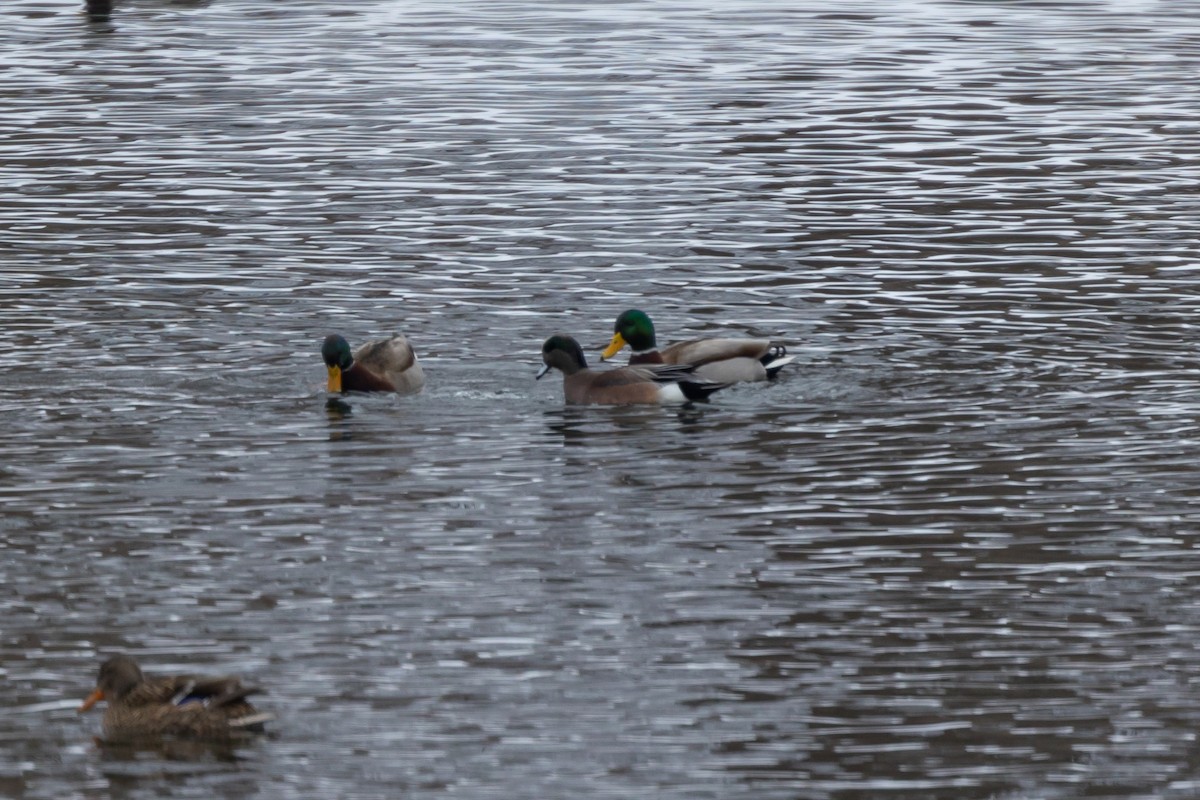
x: 335, y: 378
x: 92, y: 699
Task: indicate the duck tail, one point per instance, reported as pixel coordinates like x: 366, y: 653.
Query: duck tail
x: 700, y: 390
x: 775, y: 359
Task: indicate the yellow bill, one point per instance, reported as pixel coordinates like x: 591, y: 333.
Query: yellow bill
x: 614, y: 347
x: 335, y: 378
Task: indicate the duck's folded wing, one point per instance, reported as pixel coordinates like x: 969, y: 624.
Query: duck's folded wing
x: 178, y: 690
x: 395, y: 361
x: 159, y: 691
x: 387, y: 355
x: 218, y: 692
x: 644, y: 374
x: 705, y: 351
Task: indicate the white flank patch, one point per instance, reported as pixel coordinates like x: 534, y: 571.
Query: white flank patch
x: 252, y: 719
x: 671, y: 393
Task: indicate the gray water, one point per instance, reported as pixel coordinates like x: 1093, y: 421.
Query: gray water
x: 947, y: 554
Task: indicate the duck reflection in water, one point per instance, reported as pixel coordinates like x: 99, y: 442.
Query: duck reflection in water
x: 99, y: 9
x: 337, y: 408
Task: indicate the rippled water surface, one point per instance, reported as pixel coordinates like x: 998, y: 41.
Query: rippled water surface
x: 949, y: 553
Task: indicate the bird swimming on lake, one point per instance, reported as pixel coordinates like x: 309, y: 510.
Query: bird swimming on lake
x: 721, y: 360
x: 388, y: 365
x: 624, y: 385
x: 184, y: 706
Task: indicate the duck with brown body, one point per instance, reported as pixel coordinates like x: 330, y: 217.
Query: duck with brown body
x: 622, y: 386
x: 184, y: 706
x: 721, y: 360
x: 388, y: 365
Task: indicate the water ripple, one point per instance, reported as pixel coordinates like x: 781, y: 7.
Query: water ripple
x: 946, y: 554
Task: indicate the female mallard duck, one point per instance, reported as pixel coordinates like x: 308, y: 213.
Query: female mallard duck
x: 721, y: 360
x: 185, y: 706
x: 648, y: 384
x: 389, y: 365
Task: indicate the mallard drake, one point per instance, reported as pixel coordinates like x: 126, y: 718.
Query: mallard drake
x: 720, y: 360
x: 186, y: 706
x: 389, y: 365
x: 624, y: 385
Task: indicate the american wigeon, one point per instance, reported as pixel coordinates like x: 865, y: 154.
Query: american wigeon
x: 624, y: 385
x: 185, y: 706
x: 721, y: 360
x: 389, y: 365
